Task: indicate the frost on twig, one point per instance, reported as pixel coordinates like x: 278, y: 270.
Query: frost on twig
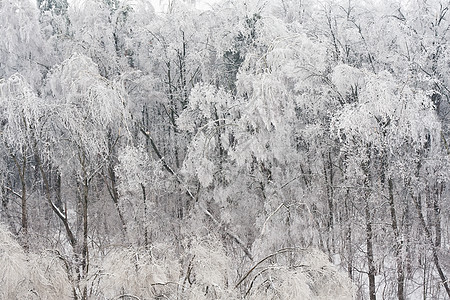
x: 312, y: 276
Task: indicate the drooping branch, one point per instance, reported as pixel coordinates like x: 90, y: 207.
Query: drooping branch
x: 127, y: 296
x: 281, y: 251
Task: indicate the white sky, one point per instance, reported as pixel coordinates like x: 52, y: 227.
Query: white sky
x: 161, y: 5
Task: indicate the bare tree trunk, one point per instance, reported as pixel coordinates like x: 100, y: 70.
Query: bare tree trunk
x: 370, y: 256
x: 182, y: 67
x: 398, y: 244
x: 85, y: 250
x: 437, y: 214
x: 115, y: 196
x: 369, y: 230
x: 24, y: 217
x: 425, y: 290
x: 24, y: 202
x: 349, y: 239
x: 328, y: 173
x: 408, y: 225
x: 144, y: 198
x: 84, y: 206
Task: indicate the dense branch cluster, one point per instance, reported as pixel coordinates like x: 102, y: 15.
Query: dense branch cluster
x: 257, y: 150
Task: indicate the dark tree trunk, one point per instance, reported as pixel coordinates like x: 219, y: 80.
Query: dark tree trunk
x: 398, y: 244
x: 370, y: 255
x: 144, y: 198
x: 348, y: 239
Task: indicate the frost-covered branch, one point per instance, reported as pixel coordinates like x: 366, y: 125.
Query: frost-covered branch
x: 193, y: 198
x: 281, y: 251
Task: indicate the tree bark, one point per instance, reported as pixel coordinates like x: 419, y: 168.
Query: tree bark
x: 112, y: 189
x: 348, y: 239
x: 369, y: 230
x: 398, y: 244
x: 370, y: 256
x: 144, y: 198
x: 437, y: 214
x: 84, y: 205
x: 85, y: 250
x: 328, y: 174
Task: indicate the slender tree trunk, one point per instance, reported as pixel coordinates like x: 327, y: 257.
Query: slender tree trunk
x: 331, y: 201
x: 24, y: 215
x: 425, y: 268
x: 370, y: 255
x: 115, y: 196
x: 328, y: 174
x: 84, y: 205
x: 23, y: 196
x: 369, y: 230
x: 398, y: 244
x: 183, y: 75
x: 408, y: 225
x: 144, y: 198
x: 111, y: 180
x: 85, y: 250
x: 349, y: 239
x: 437, y: 214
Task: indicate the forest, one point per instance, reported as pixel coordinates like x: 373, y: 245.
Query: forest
x: 278, y: 149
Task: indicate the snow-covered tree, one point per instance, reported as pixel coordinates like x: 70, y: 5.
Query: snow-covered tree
x: 255, y: 149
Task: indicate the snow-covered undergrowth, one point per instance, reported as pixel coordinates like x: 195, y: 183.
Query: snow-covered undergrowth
x: 205, y: 272
x: 30, y: 275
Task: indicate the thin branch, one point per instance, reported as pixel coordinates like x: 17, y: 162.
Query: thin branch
x: 13, y: 192
x: 268, y: 218
x: 281, y: 251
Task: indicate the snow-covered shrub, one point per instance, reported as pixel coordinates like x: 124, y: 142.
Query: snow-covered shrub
x: 144, y: 273
x: 30, y: 275
x: 308, y: 276
x: 209, y: 274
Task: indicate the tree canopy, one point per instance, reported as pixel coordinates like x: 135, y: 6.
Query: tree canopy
x: 252, y: 150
